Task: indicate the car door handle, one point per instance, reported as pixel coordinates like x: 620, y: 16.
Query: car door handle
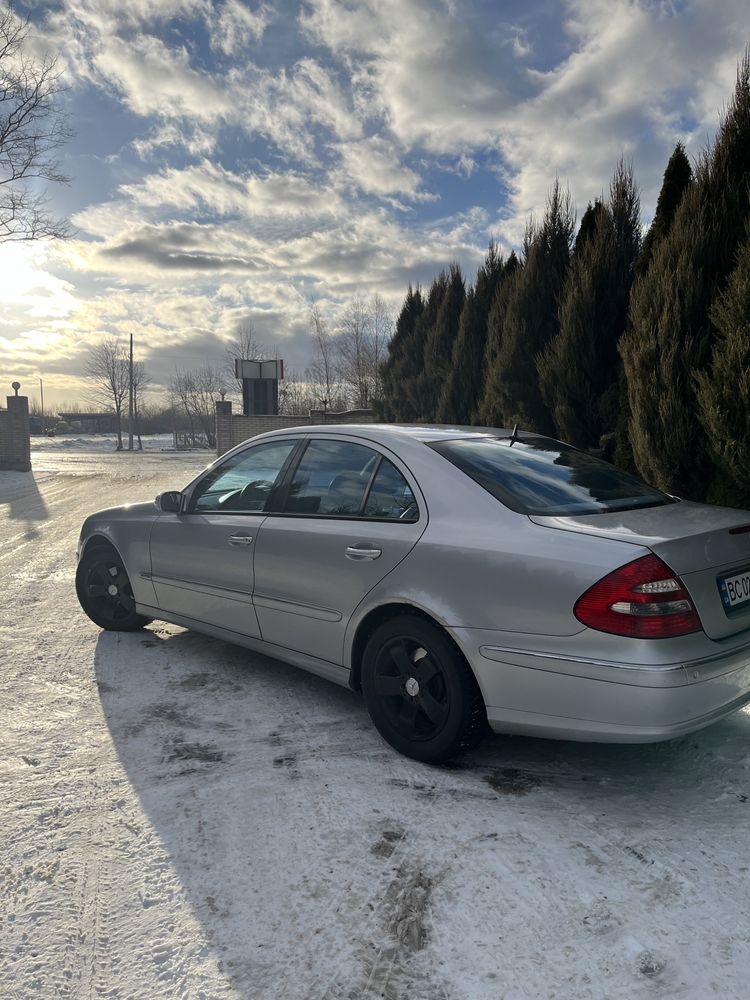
x: 356, y: 553
x: 240, y: 539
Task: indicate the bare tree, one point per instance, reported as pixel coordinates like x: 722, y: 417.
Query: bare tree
x: 209, y: 385
x: 195, y: 393
x: 245, y: 347
x: 141, y: 381
x: 33, y: 126
x: 297, y: 395
x: 353, y: 346
x: 365, y: 330
x: 323, y: 375
x: 181, y: 393
x: 381, y: 331
x: 107, y: 374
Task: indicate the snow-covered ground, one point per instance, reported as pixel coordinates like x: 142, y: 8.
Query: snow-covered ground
x: 183, y: 819
x: 98, y: 442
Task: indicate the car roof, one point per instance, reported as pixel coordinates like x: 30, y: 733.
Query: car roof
x: 416, y: 432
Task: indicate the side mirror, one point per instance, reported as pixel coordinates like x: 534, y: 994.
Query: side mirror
x: 169, y: 503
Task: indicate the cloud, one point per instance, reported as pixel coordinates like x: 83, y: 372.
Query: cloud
x: 23, y: 277
x: 186, y: 100
x: 521, y: 46
x: 237, y: 25
x: 156, y: 80
x: 627, y: 77
x: 189, y: 136
x: 633, y: 70
x: 209, y: 188
x: 374, y: 166
x: 440, y: 77
x: 163, y: 255
x: 315, y: 96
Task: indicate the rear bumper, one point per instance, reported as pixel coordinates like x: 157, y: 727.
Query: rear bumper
x: 541, y: 693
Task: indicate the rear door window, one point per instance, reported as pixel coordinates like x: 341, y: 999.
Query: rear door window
x: 331, y: 479
x: 342, y: 479
x: 390, y: 495
x: 537, y: 475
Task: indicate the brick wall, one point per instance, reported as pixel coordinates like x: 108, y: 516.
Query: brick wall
x: 6, y: 450
x: 232, y: 429
x: 15, y: 440
x: 223, y: 426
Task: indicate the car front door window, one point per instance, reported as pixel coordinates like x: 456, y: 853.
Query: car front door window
x: 243, y: 483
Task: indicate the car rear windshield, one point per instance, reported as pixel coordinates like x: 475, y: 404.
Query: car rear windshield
x: 536, y: 475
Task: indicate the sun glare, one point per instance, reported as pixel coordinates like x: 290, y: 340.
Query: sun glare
x: 27, y: 288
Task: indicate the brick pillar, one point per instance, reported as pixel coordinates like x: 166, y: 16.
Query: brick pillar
x: 223, y: 426
x: 19, y: 432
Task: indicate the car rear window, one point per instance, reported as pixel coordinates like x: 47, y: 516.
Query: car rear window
x: 537, y: 475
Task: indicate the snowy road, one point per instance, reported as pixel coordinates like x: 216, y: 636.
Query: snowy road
x: 184, y: 819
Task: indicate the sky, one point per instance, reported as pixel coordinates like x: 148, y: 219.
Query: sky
x: 236, y: 162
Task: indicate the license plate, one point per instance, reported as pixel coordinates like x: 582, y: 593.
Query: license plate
x: 735, y: 590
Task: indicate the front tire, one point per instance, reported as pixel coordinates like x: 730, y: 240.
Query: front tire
x: 105, y: 593
x: 420, y: 692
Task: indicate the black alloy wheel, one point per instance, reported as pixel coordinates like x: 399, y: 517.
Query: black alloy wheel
x: 420, y: 692
x: 105, y: 593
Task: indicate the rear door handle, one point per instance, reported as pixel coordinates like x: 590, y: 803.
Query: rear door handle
x: 360, y: 554
x: 240, y: 539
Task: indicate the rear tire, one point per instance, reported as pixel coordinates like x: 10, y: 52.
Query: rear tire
x: 420, y: 692
x: 104, y: 591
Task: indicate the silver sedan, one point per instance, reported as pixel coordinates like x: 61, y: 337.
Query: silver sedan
x: 457, y: 577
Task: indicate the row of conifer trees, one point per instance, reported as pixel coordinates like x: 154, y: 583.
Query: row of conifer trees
x: 639, y: 347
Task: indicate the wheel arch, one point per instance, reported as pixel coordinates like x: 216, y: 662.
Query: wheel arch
x: 376, y: 617
x: 99, y: 546
x: 98, y: 540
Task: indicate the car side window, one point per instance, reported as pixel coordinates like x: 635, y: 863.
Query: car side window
x: 243, y: 483
x: 390, y: 495
x: 331, y: 479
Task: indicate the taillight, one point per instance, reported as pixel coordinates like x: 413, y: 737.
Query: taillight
x: 643, y: 599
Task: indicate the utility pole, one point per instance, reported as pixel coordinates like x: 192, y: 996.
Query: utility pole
x: 41, y: 393
x: 130, y: 400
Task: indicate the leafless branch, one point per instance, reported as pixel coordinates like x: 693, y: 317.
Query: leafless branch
x: 195, y: 393
x: 246, y: 347
x: 33, y: 126
x: 107, y: 376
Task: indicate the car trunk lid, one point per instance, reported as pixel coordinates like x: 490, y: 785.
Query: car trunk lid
x: 700, y: 543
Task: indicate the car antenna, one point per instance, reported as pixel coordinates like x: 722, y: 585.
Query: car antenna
x: 514, y: 436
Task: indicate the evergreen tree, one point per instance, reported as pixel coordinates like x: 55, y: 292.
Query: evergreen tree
x: 440, y: 340
x: 488, y: 407
x: 417, y: 403
x: 403, y: 361
x: 460, y: 393
x: 677, y: 178
x: 579, y: 370
x: 588, y: 226
x: 530, y: 320
x: 724, y: 391
x: 671, y: 336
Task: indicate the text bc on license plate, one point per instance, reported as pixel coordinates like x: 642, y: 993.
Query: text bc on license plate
x: 735, y: 590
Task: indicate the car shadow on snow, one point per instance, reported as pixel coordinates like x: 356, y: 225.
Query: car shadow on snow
x: 280, y: 807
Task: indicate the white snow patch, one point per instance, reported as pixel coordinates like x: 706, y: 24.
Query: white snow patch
x: 100, y: 442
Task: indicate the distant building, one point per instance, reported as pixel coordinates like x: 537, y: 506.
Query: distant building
x: 90, y: 423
